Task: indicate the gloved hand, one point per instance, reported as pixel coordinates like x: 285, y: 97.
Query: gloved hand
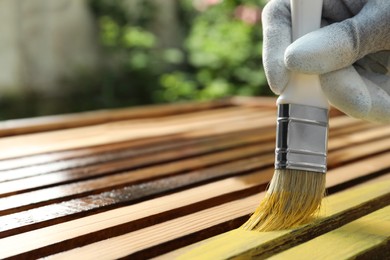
x: 351, y: 52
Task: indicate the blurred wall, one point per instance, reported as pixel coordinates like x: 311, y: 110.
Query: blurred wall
x: 43, y: 42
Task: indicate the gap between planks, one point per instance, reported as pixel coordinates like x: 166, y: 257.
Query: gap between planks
x: 15, y: 182
x: 237, y: 242
x: 126, y: 130
x: 366, y: 236
x: 57, y: 233
x: 125, y: 154
x: 340, y: 156
x: 362, y: 166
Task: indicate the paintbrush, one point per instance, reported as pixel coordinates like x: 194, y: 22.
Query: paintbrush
x: 295, y: 192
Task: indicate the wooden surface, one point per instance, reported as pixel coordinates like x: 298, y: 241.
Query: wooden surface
x: 161, y: 181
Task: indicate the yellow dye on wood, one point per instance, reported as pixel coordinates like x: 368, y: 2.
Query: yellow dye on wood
x: 337, y: 210
x: 349, y: 241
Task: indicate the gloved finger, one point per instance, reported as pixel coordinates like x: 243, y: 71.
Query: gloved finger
x: 380, y: 103
x: 340, y: 44
x: 276, y: 19
x: 347, y: 91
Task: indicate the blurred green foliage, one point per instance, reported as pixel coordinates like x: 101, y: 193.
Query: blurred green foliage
x: 220, y: 55
x: 224, y: 55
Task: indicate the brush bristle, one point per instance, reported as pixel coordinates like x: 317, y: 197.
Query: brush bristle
x: 292, y: 199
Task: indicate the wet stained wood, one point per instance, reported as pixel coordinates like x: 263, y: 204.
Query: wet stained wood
x: 126, y: 130
x: 140, y: 156
x: 69, y: 209
x: 139, y: 170
x: 43, y: 196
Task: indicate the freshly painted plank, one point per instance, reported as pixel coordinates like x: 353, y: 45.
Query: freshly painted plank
x: 120, y: 151
x: 66, y: 191
x: 58, y: 193
x: 332, y: 181
x: 55, y: 156
x: 163, y: 208
x: 340, y: 209
x: 179, y: 150
x: 133, y: 157
x: 370, y: 233
x: 341, y: 125
x: 125, y: 130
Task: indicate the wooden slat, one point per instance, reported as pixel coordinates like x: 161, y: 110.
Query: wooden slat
x: 197, y: 148
x: 179, y: 203
x: 129, y: 177
x: 148, y: 143
x: 30, y: 199
x: 366, y: 236
x: 141, y: 156
x: 112, y: 202
x: 90, y: 232
x: 343, y: 207
x: 49, y: 123
x: 123, y: 149
x: 124, y: 131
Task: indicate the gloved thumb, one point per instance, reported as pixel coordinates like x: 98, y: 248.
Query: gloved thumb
x: 341, y: 44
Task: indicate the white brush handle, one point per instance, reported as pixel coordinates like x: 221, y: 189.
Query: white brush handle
x: 304, y: 89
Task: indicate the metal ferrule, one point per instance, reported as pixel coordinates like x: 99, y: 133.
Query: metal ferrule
x: 301, y: 140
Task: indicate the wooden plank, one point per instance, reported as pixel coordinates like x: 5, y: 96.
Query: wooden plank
x: 368, y: 235
x: 358, y: 151
x: 49, y: 123
x: 142, y: 156
x: 12, y: 187
x: 350, y: 172
x: 341, y: 208
x: 54, y: 141
x: 126, y: 130
x: 139, y: 146
x: 15, y: 184
x: 55, y: 156
x: 44, y: 196
x: 353, y: 138
x: 174, y: 254
x: 90, y: 235
x: 128, y: 215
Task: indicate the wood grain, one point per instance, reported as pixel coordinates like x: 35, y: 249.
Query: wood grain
x: 239, y: 243
x: 49, y: 123
x: 124, y: 130
x: 67, y: 210
x: 160, y: 179
x: 370, y: 233
x: 66, y: 244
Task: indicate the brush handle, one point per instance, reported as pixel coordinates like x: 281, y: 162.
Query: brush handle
x: 304, y: 89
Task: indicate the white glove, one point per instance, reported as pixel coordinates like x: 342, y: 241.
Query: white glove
x: 351, y: 52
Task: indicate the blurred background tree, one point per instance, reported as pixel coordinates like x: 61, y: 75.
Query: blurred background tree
x: 153, y: 51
